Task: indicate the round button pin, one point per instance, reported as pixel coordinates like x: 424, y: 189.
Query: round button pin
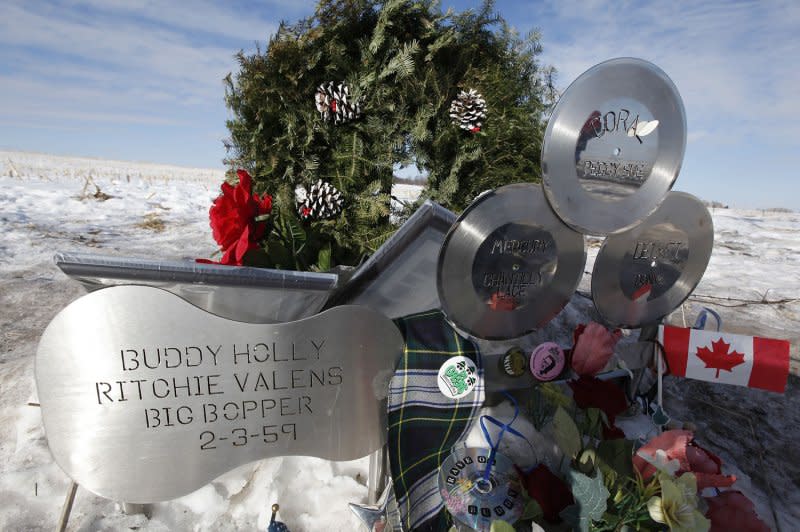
x: 457, y: 377
x: 547, y: 361
x: 514, y: 363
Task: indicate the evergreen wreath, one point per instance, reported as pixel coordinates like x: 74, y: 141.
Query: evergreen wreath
x: 405, y: 63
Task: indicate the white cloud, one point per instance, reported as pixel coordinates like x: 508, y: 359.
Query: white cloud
x: 736, y: 64
x: 95, y: 61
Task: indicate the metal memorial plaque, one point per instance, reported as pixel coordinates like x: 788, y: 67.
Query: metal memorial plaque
x: 254, y: 295
x: 613, y: 146
x: 146, y: 397
x: 509, y: 264
x: 400, y: 277
x: 642, y: 274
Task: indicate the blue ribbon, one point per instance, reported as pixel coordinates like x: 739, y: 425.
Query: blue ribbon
x: 504, y: 427
x: 700, y: 322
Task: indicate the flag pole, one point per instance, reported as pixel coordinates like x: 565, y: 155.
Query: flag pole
x: 660, y: 372
x: 660, y: 362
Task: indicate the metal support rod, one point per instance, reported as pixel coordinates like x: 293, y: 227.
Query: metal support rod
x: 376, y: 479
x: 67, y: 508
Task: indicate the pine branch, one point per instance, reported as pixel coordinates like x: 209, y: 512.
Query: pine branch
x: 402, y: 64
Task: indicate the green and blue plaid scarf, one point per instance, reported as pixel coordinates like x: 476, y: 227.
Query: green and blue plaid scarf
x: 424, y: 424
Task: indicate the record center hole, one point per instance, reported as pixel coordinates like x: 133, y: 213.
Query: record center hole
x: 617, y: 152
x: 483, y: 486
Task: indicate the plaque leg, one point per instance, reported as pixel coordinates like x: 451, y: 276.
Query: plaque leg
x: 377, y: 477
x: 67, y: 508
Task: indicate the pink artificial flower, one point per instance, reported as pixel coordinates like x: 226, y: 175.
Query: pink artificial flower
x: 679, y: 445
x: 593, y: 348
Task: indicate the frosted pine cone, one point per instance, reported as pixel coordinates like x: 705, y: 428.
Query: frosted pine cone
x: 468, y: 110
x: 334, y: 102
x: 322, y: 201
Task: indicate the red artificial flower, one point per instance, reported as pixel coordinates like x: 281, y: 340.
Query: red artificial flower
x: 593, y: 348
x: 552, y: 493
x: 591, y: 392
x: 680, y: 445
x: 233, y: 219
x: 732, y: 510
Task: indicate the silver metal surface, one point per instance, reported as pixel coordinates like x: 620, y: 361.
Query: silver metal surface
x: 254, y: 295
x: 508, y: 264
x: 642, y: 274
x: 400, y: 277
x: 613, y: 146
x: 145, y: 397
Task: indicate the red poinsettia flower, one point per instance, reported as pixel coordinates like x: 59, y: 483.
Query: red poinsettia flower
x: 552, y: 493
x: 233, y: 219
x: 593, y: 348
x: 680, y: 445
x: 591, y: 392
x: 732, y: 510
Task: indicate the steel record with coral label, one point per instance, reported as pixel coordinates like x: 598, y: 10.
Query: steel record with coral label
x: 613, y: 146
x: 642, y: 274
x: 508, y: 264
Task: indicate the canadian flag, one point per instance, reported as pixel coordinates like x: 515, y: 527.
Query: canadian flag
x: 727, y: 358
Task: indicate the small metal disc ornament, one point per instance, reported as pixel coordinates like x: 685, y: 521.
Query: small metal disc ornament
x: 642, y: 274
x: 613, y: 146
x: 475, y: 500
x: 547, y: 361
x: 508, y: 264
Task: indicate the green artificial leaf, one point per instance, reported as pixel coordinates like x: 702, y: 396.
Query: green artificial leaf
x: 554, y: 395
x: 591, y: 501
x: 617, y: 455
x: 566, y: 433
x: 324, y: 258
x: 593, y: 416
x: 501, y: 526
x: 532, y: 510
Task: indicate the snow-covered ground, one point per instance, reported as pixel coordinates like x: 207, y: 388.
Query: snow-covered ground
x: 50, y: 204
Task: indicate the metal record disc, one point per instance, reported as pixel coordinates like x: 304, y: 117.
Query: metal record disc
x: 474, y: 500
x: 642, y: 274
x: 508, y: 264
x: 613, y: 146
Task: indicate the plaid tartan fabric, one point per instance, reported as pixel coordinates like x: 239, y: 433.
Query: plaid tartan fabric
x: 424, y: 424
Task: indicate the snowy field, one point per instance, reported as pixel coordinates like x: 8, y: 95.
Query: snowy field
x: 50, y: 204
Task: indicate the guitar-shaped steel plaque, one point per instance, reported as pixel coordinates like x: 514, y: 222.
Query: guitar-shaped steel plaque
x: 146, y: 397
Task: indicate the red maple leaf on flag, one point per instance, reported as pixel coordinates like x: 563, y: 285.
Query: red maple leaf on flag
x: 718, y: 356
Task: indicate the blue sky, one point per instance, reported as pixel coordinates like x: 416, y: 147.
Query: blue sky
x: 143, y: 80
